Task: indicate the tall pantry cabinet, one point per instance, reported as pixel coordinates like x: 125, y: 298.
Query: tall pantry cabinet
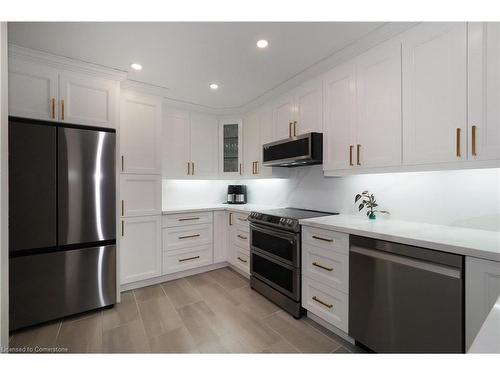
x: 139, y: 230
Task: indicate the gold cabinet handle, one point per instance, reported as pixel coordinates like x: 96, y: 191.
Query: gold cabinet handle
x: 192, y: 168
x: 189, y: 168
x: 230, y: 218
x: 62, y: 109
x: 358, y: 152
x: 256, y: 167
x: 474, y: 151
x: 123, y: 228
x: 240, y: 168
x: 190, y: 236
x: 242, y: 237
x: 290, y: 124
x: 123, y: 163
x: 323, y: 267
x: 322, y: 239
x: 123, y: 207
x: 295, y: 128
x: 188, y: 218
x: 242, y: 260
x: 53, y: 107
x: 350, y: 155
x: 240, y: 219
x: 191, y: 258
x: 323, y: 303
x: 459, y: 153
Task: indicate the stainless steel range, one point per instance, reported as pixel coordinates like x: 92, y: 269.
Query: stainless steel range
x: 275, y: 255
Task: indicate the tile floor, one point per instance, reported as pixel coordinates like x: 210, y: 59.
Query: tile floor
x: 213, y: 312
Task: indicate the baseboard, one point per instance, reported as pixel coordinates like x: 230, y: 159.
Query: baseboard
x: 242, y: 273
x: 173, y: 276
x: 330, y: 327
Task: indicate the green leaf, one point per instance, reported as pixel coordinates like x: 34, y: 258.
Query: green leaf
x: 357, y: 198
x: 361, y: 206
x: 365, y: 192
x: 374, y: 204
x: 367, y: 213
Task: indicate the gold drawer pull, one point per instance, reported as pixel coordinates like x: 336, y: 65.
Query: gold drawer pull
x: 123, y: 207
x: 474, y: 151
x: 358, y: 152
x: 459, y: 153
x: 243, y: 260
x: 242, y: 237
x: 188, y: 218
x: 322, y: 239
x: 323, y: 267
x: 240, y: 219
x: 53, y: 107
x: 183, y: 260
x: 62, y: 110
x: 351, y: 147
x: 323, y: 303
x: 191, y: 236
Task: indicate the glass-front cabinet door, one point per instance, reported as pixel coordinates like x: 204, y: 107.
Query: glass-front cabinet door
x: 231, y: 147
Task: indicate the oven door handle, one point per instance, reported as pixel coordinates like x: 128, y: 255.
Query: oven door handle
x: 275, y: 232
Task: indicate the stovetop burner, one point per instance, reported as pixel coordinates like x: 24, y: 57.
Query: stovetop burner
x: 286, y: 218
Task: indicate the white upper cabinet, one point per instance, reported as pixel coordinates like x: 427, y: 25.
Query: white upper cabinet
x: 87, y: 100
x: 283, y: 117
x: 33, y: 90
x: 204, y: 146
x: 435, y: 93
x: 339, y: 117
x: 308, y: 108
x: 483, y: 128
x: 378, y: 87
x: 175, y: 144
x: 252, y: 144
x: 140, y: 134
x: 230, y: 147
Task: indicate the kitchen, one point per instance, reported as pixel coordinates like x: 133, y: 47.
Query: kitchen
x: 177, y: 214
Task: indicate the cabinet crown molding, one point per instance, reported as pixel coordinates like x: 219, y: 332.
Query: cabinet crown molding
x: 66, y: 63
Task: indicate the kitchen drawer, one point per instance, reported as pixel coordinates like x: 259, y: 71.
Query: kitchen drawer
x: 326, y: 266
x: 186, y: 236
x: 326, y: 239
x: 188, y: 218
x: 238, y: 218
x: 241, y: 259
x: 240, y: 237
x: 325, y: 302
x: 185, y: 259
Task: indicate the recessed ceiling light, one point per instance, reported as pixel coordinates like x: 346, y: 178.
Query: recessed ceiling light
x: 262, y: 43
x: 136, y: 66
x: 214, y: 86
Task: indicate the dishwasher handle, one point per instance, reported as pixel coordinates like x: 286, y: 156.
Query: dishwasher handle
x: 410, y: 262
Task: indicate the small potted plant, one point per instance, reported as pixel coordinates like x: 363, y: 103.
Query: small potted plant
x: 368, y: 201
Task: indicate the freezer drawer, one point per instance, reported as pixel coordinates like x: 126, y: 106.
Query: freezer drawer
x: 52, y: 285
x: 405, y: 299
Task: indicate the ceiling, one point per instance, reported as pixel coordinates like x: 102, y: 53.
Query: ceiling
x: 186, y: 57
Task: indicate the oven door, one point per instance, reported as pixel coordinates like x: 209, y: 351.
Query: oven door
x: 277, y: 244
x: 280, y: 276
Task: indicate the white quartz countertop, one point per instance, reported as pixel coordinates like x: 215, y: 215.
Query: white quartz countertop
x: 488, y: 338
x: 472, y: 242
x: 216, y: 207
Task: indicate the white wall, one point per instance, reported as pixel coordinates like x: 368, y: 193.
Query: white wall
x: 4, y: 255
x: 467, y: 198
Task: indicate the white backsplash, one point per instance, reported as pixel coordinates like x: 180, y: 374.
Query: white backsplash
x: 467, y: 198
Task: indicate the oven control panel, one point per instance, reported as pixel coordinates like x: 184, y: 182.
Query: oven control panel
x: 276, y: 221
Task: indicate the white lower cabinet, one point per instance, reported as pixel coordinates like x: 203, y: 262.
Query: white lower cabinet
x: 220, y: 236
x: 239, y: 241
x: 140, y: 248
x: 482, y: 289
x: 186, y: 236
x: 325, y: 275
x: 241, y: 259
x: 140, y: 195
x: 187, y: 258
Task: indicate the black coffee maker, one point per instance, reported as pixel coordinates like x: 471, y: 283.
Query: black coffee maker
x: 236, y: 194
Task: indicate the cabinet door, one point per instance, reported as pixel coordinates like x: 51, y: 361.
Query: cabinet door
x: 140, y: 195
x: 204, y: 146
x: 32, y: 90
x: 308, y: 108
x: 266, y: 136
x: 283, y: 117
x: 87, y: 100
x: 230, y: 148
x: 251, y: 139
x: 140, y: 249
x: 434, y: 93
x: 220, y: 236
x: 175, y: 142
x: 378, y: 85
x: 482, y: 289
x: 140, y: 125
x: 339, y: 117
x: 484, y: 91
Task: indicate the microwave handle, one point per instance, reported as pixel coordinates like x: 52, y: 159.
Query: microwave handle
x: 275, y: 232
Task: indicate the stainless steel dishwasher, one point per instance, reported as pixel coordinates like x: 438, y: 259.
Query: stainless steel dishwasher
x: 405, y: 299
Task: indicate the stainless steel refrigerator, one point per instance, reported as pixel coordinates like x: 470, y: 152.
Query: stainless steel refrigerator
x: 62, y: 226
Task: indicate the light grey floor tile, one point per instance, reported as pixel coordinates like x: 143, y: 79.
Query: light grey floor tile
x: 300, y: 334
x: 124, y: 312
x: 228, y: 278
x: 199, y: 321
x: 176, y: 341
x: 341, y: 350
x: 149, y: 292
x: 280, y: 347
x: 253, y: 302
x: 127, y: 338
x: 81, y: 336
x: 36, y: 338
x: 159, y: 316
x: 180, y: 292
